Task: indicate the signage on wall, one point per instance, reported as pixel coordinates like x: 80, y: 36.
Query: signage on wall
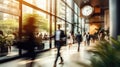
x: 10, y: 7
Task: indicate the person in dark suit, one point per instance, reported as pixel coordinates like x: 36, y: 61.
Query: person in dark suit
x: 79, y: 40
x: 88, y: 39
x: 59, y: 36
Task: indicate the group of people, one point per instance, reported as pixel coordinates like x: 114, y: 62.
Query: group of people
x: 85, y: 38
x: 60, y: 35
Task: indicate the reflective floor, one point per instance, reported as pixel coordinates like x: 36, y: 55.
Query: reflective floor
x: 71, y: 57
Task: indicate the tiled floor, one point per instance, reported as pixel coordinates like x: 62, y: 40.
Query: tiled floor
x: 71, y: 57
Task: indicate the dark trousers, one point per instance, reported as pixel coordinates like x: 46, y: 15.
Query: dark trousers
x: 30, y: 55
x: 88, y: 42
x: 58, y: 45
x: 78, y: 46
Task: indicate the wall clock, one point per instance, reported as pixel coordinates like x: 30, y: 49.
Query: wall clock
x: 87, y: 10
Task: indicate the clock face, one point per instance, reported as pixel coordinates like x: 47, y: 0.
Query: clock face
x: 87, y: 10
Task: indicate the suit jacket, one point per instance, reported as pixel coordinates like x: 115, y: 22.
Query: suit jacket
x: 62, y: 37
x: 79, y: 37
x: 88, y: 37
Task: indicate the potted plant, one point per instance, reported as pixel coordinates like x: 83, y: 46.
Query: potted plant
x: 106, y: 54
x: 3, y: 46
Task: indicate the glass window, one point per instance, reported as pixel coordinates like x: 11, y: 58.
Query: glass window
x: 69, y: 2
x: 80, y: 21
x: 80, y: 24
x: 27, y: 9
x: 8, y: 26
x: 39, y: 3
x: 53, y: 25
x: 83, y: 25
x: 69, y: 15
x: 11, y: 7
x: 78, y: 11
x: 53, y: 6
x: 50, y: 5
x: 75, y: 7
x: 43, y: 22
x: 8, y: 23
x: 61, y: 9
x: 53, y: 30
x: 75, y: 30
x: 68, y: 28
x: 62, y: 23
x: 75, y: 18
x: 43, y: 4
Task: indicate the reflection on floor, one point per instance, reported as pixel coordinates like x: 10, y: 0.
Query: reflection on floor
x: 71, y: 57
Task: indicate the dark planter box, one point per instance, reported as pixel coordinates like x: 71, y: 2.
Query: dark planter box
x: 3, y: 50
x: 40, y: 46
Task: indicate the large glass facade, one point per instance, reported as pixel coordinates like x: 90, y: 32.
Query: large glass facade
x: 51, y: 12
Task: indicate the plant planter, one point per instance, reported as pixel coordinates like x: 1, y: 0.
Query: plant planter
x: 3, y: 50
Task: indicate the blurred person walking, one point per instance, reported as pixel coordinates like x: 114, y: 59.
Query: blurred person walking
x: 70, y: 39
x: 79, y: 40
x: 58, y: 36
x: 28, y: 41
x: 30, y: 38
x: 88, y: 38
x: 84, y: 39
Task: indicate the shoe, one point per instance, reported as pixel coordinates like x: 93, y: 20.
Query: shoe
x: 61, y: 63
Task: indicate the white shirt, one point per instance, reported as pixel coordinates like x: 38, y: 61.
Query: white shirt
x: 84, y: 38
x: 58, y: 35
